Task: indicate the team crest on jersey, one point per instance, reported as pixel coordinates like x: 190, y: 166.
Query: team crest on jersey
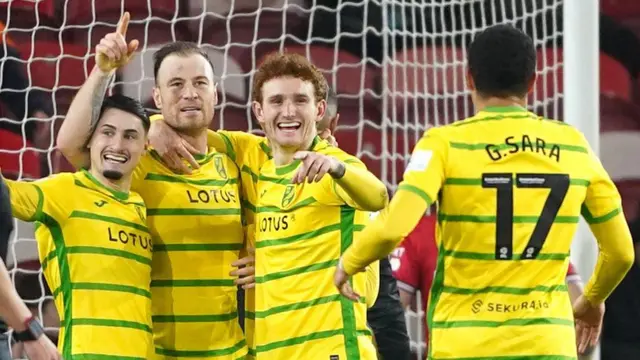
x: 289, y: 194
x: 141, y: 214
x: 222, y: 172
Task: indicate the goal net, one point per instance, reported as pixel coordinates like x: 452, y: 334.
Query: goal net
x: 398, y: 67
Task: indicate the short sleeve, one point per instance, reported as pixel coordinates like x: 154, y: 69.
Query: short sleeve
x: 33, y: 201
x: 425, y: 173
x: 27, y: 200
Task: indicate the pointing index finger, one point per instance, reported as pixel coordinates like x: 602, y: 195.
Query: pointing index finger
x: 123, y: 24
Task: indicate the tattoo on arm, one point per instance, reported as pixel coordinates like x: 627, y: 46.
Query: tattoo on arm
x: 97, y: 98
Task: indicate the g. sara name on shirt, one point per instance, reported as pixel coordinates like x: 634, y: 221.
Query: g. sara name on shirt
x: 523, y: 143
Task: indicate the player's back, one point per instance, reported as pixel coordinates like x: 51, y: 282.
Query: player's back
x: 508, y: 210
x: 195, y: 221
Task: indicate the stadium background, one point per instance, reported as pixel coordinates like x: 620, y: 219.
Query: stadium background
x: 397, y: 66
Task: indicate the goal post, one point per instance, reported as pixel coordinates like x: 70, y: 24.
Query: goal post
x: 582, y: 106
x: 385, y: 103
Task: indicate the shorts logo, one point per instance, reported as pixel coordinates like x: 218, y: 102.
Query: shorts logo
x: 220, y: 167
x: 141, y: 213
x: 334, y: 357
x: 288, y: 196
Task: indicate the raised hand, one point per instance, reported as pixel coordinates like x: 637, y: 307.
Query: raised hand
x: 113, y: 51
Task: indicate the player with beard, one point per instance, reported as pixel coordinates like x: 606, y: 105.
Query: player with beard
x: 250, y: 153
x: 93, y: 241
x: 193, y: 295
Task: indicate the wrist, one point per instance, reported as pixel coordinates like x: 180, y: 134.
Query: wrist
x: 102, y: 74
x: 31, y: 330
x: 338, y: 171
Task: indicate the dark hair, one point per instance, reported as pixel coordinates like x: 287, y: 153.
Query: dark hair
x: 127, y: 104
x: 332, y: 103
x: 502, y: 62
x: 277, y: 65
x: 180, y: 48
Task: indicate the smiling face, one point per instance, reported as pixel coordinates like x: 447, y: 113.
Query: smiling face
x: 185, y: 92
x: 117, y: 144
x: 289, y: 112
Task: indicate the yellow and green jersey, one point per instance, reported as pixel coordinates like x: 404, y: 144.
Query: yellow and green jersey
x: 95, y: 250
x: 196, y: 224
x: 302, y: 231
x: 510, y: 188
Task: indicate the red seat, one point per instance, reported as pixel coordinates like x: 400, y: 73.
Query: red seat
x: 149, y: 24
x: 620, y: 140
x: 60, y: 68
x: 16, y: 159
x: 249, y: 32
x: 82, y: 12
x: 424, y: 78
x: 620, y: 8
x: 615, y: 80
x: 26, y: 14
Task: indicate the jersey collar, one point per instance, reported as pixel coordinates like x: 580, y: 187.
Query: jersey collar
x: 283, y: 170
x: 97, y: 185
x: 504, y: 109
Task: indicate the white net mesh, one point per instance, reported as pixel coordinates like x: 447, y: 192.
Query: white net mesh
x: 397, y: 67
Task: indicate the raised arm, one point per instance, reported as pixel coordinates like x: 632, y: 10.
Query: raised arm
x: 111, y: 53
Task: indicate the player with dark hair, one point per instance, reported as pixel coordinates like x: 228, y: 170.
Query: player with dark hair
x: 511, y: 187
x: 194, y: 295
x: 93, y: 241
